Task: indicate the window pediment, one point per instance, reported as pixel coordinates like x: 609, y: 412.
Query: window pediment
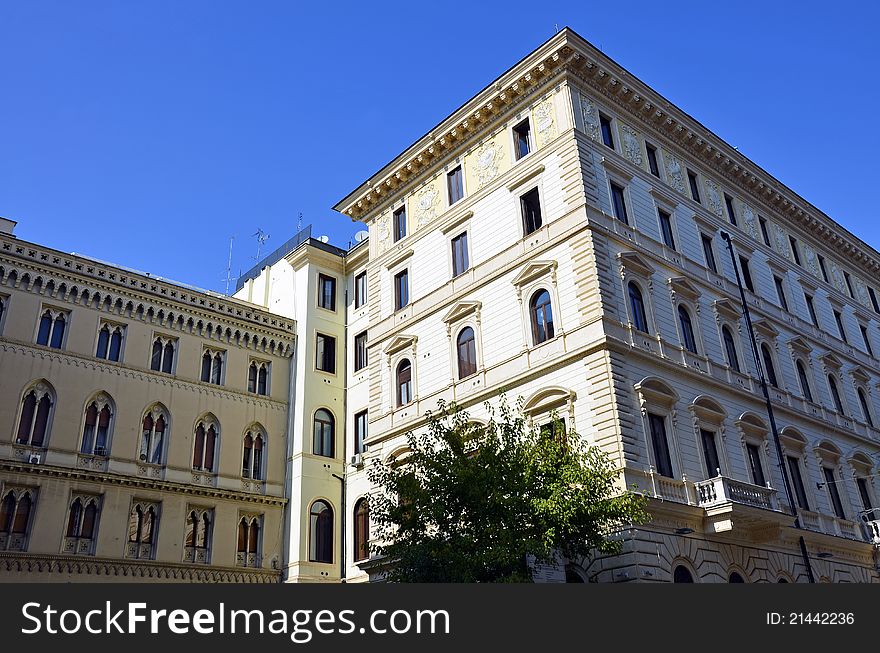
x: 728, y: 308
x: 534, y: 270
x: 399, y: 343
x: 636, y: 263
x: 751, y: 424
x: 800, y: 345
x: 683, y: 287
x: 708, y: 410
x: 766, y: 329
x: 860, y: 375
x: 656, y: 391
x: 462, y: 310
x: 548, y: 399
x: 831, y: 361
x: 616, y: 169
x: 398, y: 259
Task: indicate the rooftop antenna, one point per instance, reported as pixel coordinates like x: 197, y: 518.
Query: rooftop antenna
x: 299, y: 222
x: 261, y: 237
x: 229, y: 276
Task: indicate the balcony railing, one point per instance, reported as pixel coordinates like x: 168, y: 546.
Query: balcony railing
x: 721, y: 489
x: 872, y: 531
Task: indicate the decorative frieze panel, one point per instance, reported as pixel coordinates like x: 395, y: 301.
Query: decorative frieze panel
x: 488, y: 161
x: 674, y: 171
x: 545, y: 122
x: 426, y: 204
x: 811, y: 262
x: 590, y: 115
x: 77, y: 545
x: 90, y: 462
x: 632, y: 147
x: 253, y: 485
x: 149, y: 471
x: 206, y: 479
x: 780, y: 242
x: 713, y: 196
x: 750, y: 222
x: 837, y: 278
x: 861, y: 290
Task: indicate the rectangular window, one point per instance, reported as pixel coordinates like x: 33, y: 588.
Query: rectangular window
x: 822, y: 267
x: 746, y: 273
x: 460, y: 262
x: 360, y: 431
x: 325, y: 353
x: 360, y: 290
x: 867, y: 339
x: 709, y: 253
x: 618, y: 203
x: 695, y: 189
x: 522, y: 135
x: 710, y: 453
x: 401, y: 289
x: 731, y: 214
x: 605, y: 124
x: 865, y: 495
x: 764, y: 234
x: 660, y: 445
x: 795, y: 251
x: 811, y: 308
x: 838, y: 318
x: 652, y: 159
x: 360, y: 351
x: 399, y: 219
x: 780, y: 292
x: 530, y: 205
x: 455, y: 185
x: 794, y: 470
x: 327, y: 292
x: 849, y: 284
x: 833, y: 492
x: 873, y: 295
x: 666, y: 228
x: 755, y: 466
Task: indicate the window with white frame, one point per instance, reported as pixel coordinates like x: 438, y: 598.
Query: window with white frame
x: 252, y: 457
x: 709, y: 417
x: 205, y: 441
x: 35, y: 418
x: 97, y: 426
x: 154, y: 433
x: 212, y: 366
x: 110, y: 339
x: 753, y: 436
x: 258, y: 377
x: 52, y: 327
x: 163, y: 353
x: 657, y: 400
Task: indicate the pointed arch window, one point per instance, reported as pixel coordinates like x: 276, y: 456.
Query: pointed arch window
x: 110, y: 342
x: 637, y: 307
x: 769, y: 368
x: 197, y: 538
x: 142, y: 526
x: 321, y: 532
x: 688, y: 338
x: 361, y: 529
x: 252, y: 455
x: 324, y: 434
x: 162, y: 357
x: 15, y: 517
x: 96, y: 427
x: 258, y: 377
x: 541, y: 311
x: 466, y: 346
x: 153, y: 433
x: 36, y: 410
x: 52, y: 326
x: 204, y: 446
x: 212, y: 366
x: 404, y: 383
x: 82, y: 524
x: 248, y: 549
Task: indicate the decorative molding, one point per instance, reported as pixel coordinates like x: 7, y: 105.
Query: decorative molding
x: 534, y: 270
x: 524, y: 176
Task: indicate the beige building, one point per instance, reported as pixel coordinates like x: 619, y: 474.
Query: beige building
x: 560, y: 236
x: 144, y: 425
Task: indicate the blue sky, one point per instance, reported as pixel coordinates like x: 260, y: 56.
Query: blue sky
x: 149, y: 133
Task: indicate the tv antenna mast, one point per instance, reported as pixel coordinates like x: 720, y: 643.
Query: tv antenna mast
x: 261, y: 237
x: 229, y: 276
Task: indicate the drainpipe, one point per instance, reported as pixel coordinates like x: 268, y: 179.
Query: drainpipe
x: 343, y: 513
x: 787, y: 486
x: 288, y: 462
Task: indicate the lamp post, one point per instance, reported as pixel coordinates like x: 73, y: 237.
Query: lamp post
x: 775, y: 432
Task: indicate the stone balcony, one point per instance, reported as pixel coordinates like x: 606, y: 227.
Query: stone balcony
x: 721, y: 489
x: 748, y: 508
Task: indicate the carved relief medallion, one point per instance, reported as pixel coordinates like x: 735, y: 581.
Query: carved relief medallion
x: 591, y: 117
x: 749, y: 220
x: 714, y: 197
x: 426, y: 204
x: 673, y: 171
x: 488, y: 157
x: 631, y: 147
x: 545, y: 124
x: 780, y: 241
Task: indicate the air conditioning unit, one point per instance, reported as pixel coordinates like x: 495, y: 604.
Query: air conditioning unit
x: 358, y: 460
x: 35, y: 458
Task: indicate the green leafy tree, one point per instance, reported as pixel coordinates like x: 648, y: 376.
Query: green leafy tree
x: 470, y: 502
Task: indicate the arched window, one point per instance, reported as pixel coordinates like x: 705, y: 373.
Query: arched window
x: 467, y: 353
x: 51, y: 331
x: 803, y: 379
x: 688, y: 338
x: 36, y: 410
x: 361, y: 530
x: 321, y: 532
x: 82, y: 525
x: 252, y: 455
x: 204, y: 445
x: 153, y: 433
x: 682, y: 574
x: 96, y: 427
x: 109, y: 342
x: 542, y: 317
x: 866, y: 410
x: 162, y: 357
x: 141, y: 531
x: 572, y: 576
x: 248, y: 550
x: 735, y: 577
x: 15, y: 514
x: 769, y: 369
x: 637, y: 307
x: 730, y: 348
x: 835, y: 395
x: 404, y: 383
x: 324, y: 440
x: 197, y: 541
